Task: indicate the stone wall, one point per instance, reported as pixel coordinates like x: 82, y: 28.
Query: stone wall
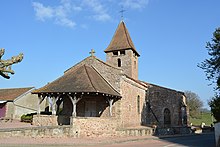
x: 46, y: 131
x: 45, y: 120
x: 81, y: 128
x: 160, y: 98
x: 129, y: 62
x: 173, y: 131
x: 95, y: 126
x: 132, y: 103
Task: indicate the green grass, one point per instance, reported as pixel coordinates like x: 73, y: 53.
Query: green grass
x: 203, y: 117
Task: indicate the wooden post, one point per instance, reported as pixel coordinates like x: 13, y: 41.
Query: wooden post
x: 54, y: 100
x: 110, y: 106
x: 40, y: 100
x: 74, y: 101
x: 53, y: 105
x: 38, y: 105
x: 74, y: 108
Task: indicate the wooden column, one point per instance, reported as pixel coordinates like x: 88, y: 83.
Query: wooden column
x: 53, y: 105
x: 58, y: 102
x: 40, y: 100
x: 54, y: 100
x: 110, y: 101
x: 74, y: 101
x: 38, y: 106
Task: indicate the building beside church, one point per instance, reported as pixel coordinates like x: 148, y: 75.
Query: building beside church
x: 104, y: 97
x: 14, y: 102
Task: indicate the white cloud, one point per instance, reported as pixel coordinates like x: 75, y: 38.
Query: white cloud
x: 134, y: 4
x: 99, y: 10
x: 59, y: 14
x: 42, y: 12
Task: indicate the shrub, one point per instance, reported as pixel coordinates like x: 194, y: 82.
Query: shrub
x: 27, y: 118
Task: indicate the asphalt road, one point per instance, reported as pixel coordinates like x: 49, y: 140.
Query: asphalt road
x: 200, y: 140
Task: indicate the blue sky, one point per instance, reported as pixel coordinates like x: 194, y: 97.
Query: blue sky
x: 54, y: 35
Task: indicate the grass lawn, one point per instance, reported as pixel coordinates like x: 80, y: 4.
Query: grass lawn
x: 203, y: 117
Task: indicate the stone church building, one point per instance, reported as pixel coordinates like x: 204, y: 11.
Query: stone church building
x: 108, y: 96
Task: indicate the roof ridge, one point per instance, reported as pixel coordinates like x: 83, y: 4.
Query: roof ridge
x: 17, y: 88
x: 76, y: 64
x: 125, y: 29
x: 89, y: 78
x: 162, y: 87
x: 137, y: 81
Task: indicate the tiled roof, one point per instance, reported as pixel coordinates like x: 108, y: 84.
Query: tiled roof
x: 151, y: 85
x: 82, y: 79
x: 121, y: 40
x: 91, y: 58
x: 12, y: 93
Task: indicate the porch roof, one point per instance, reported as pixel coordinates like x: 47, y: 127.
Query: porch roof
x: 84, y: 79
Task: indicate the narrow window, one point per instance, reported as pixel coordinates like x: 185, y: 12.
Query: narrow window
x: 138, y: 104
x: 167, y: 117
x: 119, y: 62
x: 135, y: 65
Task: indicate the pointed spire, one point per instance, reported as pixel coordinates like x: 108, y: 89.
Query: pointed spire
x: 121, y: 40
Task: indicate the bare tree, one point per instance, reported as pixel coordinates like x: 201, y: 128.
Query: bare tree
x: 194, y: 103
x: 5, y: 65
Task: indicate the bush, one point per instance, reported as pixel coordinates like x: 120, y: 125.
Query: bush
x: 27, y: 118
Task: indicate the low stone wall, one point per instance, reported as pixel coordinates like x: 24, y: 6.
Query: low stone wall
x: 217, y: 134
x: 95, y: 126
x: 145, y: 131
x: 173, y: 131
x: 47, y: 131
x: 45, y: 120
x: 80, y: 127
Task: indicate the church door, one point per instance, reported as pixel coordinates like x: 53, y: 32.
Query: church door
x: 90, y: 109
x: 167, y: 118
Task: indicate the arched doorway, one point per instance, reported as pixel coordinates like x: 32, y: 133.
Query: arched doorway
x: 167, y: 117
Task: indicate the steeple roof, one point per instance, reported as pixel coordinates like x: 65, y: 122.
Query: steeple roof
x: 121, y: 40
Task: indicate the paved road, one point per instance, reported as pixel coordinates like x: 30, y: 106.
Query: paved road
x: 201, y: 140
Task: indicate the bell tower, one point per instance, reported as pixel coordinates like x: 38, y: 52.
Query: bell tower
x: 122, y: 53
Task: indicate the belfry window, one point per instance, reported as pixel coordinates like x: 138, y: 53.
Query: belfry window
x: 115, y: 53
x: 122, y: 52
x: 119, y: 62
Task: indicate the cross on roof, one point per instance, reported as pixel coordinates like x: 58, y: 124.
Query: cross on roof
x: 122, y: 12
x: 92, y: 52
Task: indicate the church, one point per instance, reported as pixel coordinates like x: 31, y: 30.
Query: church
x: 94, y: 95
